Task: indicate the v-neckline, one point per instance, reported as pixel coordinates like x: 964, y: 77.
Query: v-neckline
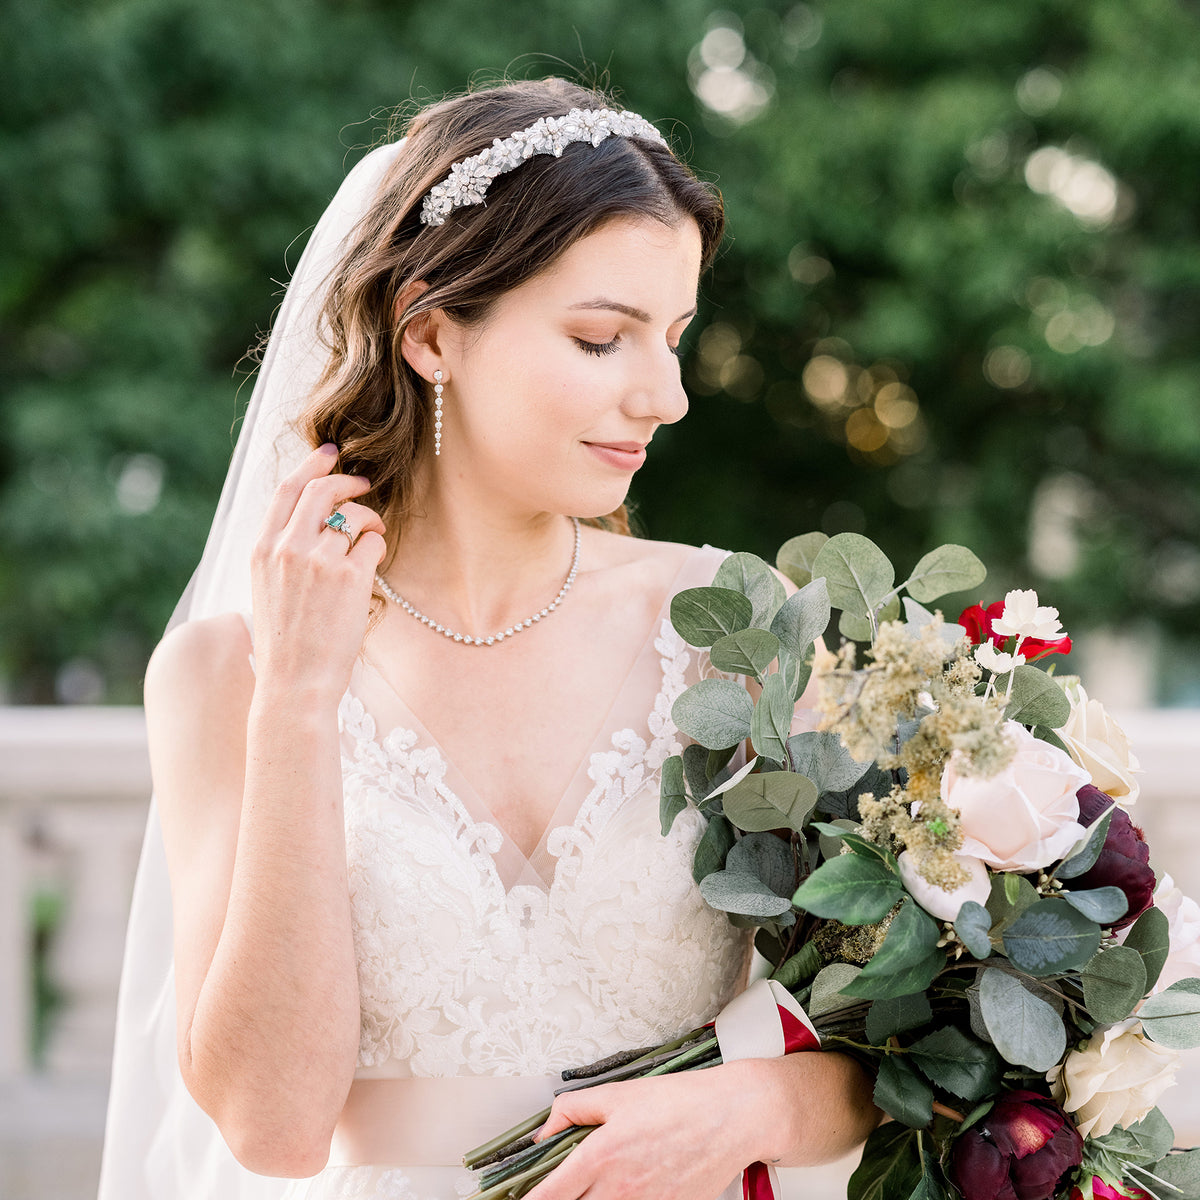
x: 514, y: 865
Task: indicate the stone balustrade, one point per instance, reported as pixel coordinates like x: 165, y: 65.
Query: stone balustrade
x: 74, y: 784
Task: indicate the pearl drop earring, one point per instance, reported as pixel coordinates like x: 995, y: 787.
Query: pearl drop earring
x: 437, y: 412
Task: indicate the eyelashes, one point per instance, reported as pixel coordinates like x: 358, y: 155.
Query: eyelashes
x: 600, y: 349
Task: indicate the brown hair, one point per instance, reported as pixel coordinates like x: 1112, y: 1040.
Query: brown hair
x: 369, y: 401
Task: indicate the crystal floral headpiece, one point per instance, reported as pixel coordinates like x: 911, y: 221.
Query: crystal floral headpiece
x: 470, y: 178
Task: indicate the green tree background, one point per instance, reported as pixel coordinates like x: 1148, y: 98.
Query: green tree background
x: 958, y: 301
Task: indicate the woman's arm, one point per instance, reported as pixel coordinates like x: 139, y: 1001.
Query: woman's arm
x: 687, y: 1137
x: 248, y: 779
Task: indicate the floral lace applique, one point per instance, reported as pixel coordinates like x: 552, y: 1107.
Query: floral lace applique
x: 458, y: 976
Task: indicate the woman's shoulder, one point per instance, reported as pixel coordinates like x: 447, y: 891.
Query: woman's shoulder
x: 633, y: 564
x: 208, y: 659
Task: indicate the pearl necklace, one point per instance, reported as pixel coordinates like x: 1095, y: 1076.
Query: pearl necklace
x: 503, y: 635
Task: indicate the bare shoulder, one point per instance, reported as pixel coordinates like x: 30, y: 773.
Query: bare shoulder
x: 199, y: 661
x: 638, y: 562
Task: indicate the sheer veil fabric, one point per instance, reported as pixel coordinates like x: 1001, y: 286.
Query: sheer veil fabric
x: 159, y: 1145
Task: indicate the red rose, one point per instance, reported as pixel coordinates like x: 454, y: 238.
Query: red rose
x: 1125, y: 860
x: 977, y: 621
x: 1019, y: 1151
x: 1107, y: 1191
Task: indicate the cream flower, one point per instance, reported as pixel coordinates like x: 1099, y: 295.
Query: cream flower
x: 1099, y: 745
x: 1024, y: 618
x: 937, y: 901
x: 1183, y: 959
x: 1026, y: 815
x: 996, y: 661
x: 1116, y: 1079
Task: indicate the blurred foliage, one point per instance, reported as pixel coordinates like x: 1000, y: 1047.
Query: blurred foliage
x: 958, y: 301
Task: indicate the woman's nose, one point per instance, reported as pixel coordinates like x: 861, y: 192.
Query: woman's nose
x: 658, y: 392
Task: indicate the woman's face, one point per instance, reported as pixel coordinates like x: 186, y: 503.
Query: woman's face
x: 550, y: 404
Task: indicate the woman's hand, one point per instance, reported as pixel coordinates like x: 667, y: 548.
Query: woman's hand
x: 312, y: 587
x: 688, y: 1136
x: 673, y: 1137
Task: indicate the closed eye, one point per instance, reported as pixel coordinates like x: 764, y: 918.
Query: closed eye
x: 597, y: 348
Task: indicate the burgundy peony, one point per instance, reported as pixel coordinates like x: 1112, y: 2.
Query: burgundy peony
x: 1125, y: 860
x: 1019, y: 1151
x: 977, y: 621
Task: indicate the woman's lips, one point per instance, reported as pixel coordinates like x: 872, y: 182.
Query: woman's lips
x: 625, y: 456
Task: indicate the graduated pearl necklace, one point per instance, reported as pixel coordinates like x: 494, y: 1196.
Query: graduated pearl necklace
x: 465, y: 638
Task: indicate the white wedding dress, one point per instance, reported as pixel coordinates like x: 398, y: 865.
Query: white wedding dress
x: 483, y: 973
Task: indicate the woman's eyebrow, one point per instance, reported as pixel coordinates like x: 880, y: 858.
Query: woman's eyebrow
x: 638, y: 314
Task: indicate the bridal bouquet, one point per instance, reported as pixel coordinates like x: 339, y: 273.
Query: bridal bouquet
x: 943, y: 873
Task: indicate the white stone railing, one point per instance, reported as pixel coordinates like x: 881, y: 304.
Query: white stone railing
x: 74, y: 784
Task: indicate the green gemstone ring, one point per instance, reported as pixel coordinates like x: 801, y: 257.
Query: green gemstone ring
x: 337, y: 520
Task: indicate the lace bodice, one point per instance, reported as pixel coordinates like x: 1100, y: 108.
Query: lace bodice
x: 474, y: 961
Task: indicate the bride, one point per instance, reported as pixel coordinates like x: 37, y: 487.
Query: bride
x: 406, y: 736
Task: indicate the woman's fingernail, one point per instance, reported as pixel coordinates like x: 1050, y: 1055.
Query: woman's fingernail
x: 330, y: 449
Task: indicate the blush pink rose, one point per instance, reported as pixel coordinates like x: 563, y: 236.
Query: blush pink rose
x: 1024, y: 817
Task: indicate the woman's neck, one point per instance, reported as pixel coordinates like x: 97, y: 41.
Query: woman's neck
x: 479, y: 570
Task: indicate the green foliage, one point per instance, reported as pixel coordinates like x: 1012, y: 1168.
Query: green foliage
x: 1050, y: 937
x: 1149, y: 935
x: 1172, y: 1017
x: 1114, y: 983
x: 1022, y: 1026
x: 162, y: 161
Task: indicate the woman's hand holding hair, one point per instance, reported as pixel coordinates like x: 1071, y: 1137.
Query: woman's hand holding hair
x: 312, y: 584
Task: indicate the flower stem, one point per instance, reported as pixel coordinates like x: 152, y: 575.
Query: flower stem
x: 943, y: 1110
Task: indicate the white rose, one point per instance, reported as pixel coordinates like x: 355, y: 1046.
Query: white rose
x: 1099, y: 745
x: 1116, y: 1079
x: 939, y: 902
x: 1025, y: 816
x: 1183, y: 960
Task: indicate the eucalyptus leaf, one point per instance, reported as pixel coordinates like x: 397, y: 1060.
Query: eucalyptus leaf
x: 742, y: 892
x: 956, y: 1062
x: 796, y: 557
x: 949, y: 568
x: 1150, y: 936
x: 1172, y: 1017
x: 897, y: 1014
x: 1051, y: 937
x: 795, y: 672
x: 1005, y: 909
x: 1181, y: 1173
x: 859, y: 575
x: 917, y: 616
x: 1147, y: 1140
x: 974, y: 925
x: 1045, y: 734
x: 821, y: 755
x: 1103, y: 905
x: 803, y: 618
x: 1024, y: 1029
x: 852, y: 889
x: 827, y: 995
x: 831, y: 833
x: 1114, y: 983
x: 702, y: 615
x: 714, y: 712
x: 695, y: 771
x: 672, y: 798
x: 858, y: 628
x: 848, y: 834
x: 777, y: 800
x: 747, y: 652
x: 902, y: 1093
x: 845, y: 803
x: 1035, y: 698
x: 890, y: 1166
x: 1082, y: 856
x: 727, y: 785
x: 771, y: 720
x: 715, y: 843
x: 768, y: 858
x: 748, y: 574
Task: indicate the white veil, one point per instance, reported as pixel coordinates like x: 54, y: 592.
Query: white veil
x: 159, y: 1145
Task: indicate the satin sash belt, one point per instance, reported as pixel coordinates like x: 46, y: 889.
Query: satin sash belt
x: 432, y: 1122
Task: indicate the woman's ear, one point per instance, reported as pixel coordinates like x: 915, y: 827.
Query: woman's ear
x: 420, y: 343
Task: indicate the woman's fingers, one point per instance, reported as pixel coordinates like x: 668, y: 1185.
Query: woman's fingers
x: 317, y: 465
x: 357, y: 519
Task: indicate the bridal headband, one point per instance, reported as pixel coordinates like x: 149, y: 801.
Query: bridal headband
x: 470, y: 178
